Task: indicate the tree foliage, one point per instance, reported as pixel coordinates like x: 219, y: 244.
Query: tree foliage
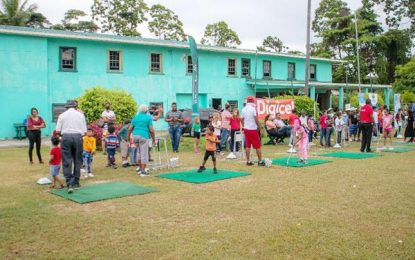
x: 71, y: 22
x: 272, y: 44
x: 21, y: 13
x: 405, y: 77
x: 93, y: 100
x: 303, y: 103
x: 219, y: 34
x: 399, y: 12
x: 165, y: 24
x: 121, y: 17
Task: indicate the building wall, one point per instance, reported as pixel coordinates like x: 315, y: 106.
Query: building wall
x: 30, y: 75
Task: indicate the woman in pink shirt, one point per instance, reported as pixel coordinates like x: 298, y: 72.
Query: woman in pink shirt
x: 323, y: 127
x: 235, y: 122
x: 34, y: 124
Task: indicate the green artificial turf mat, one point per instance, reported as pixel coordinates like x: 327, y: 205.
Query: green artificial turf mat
x: 103, y: 191
x: 193, y: 176
x: 404, y: 144
x: 350, y: 155
x: 398, y: 150
x: 292, y: 162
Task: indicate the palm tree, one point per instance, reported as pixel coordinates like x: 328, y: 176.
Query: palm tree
x: 17, y: 12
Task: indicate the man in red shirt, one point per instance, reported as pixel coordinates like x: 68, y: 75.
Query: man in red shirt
x: 366, y: 122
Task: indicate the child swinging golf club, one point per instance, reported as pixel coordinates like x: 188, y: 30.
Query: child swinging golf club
x: 211, y: 141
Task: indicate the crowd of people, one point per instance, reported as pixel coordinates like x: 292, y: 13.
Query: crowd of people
x: 74, y: 144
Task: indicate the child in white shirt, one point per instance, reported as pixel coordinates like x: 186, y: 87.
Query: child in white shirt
x: 339, y: 128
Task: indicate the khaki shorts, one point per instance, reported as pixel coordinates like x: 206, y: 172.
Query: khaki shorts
x: 142, y: 148
x: 124, y: 148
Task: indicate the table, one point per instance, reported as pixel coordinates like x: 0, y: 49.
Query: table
x: 20, y: 131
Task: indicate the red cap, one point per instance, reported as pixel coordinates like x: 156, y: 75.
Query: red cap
x: 250, y: 99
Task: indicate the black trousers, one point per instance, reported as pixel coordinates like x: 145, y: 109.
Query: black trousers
x: 34, y: 138
x: 71, y: 149
x: 367, y: 129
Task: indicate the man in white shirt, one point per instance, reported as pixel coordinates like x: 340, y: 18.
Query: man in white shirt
x: 278, y: 121
x: 71, y: 126
x: 250, y: 125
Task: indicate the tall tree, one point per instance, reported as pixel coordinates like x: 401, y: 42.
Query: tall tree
x: 272, y: 44
x: 120, y: 16
x: 219, y: 34
x: 332, y: 24
x: 71, y: 22
x: 399, y: 12
x: 20, y: 13
x: 405, y: 77
x: 164, y: 24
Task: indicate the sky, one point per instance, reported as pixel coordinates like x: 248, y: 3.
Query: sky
x: 252, y: 20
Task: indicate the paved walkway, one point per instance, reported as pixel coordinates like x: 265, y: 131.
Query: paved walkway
x: 21, y: 143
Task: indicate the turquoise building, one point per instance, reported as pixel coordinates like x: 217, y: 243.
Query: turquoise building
x: 44, y: 68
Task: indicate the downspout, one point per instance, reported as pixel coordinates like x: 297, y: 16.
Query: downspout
x: 256, y: 67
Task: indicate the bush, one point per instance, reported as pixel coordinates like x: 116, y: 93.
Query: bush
x: 93, y: 100
x: 407, y: 97
x: 303, y: 103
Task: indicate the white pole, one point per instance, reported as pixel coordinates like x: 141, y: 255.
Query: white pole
x: 357, y: 50
x: 307, y: 62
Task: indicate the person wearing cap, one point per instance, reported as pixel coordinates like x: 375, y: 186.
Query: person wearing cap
x: 250, y: 125
x: 71, y: 125
x: 367, y: 123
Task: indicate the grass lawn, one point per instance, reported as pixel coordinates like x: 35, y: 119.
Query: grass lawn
x: 345, y: 209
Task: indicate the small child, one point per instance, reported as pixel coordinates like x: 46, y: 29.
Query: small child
x: 89, y: 147
x: 339, y: 129
x: 196, y: 134
x: 55, y: 163
x: 302, y: 142
x: 217, y: 124
x: 111, y: 143
x: 123, y: 135
x: 387, y: 128
x: 211, y: 142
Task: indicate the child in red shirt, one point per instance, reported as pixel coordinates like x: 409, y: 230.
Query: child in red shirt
x: 55, y: 163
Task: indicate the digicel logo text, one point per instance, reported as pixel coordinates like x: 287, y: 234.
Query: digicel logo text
x: 266, y: 106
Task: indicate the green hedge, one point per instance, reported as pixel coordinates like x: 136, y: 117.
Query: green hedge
x: 93, y: 100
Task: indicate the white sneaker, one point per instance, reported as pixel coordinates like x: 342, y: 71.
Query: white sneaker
x: 83, y: 171
x: 383, y: 148
x: 138, y: 169
x: 90, y: 175
x: 231, y: 156
x: 391, y: 148
x: 337, y: 146
x: 144, y: 174
x: 399, y: 136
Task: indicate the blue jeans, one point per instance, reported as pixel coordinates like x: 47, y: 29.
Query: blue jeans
x: 133, y: 155
x: 224, y: 133
x: 329, y: 131
x: 175, y: 133
x: 310, y: 136
x: 111, y: 155
x: 323, y: 132
x: 87, y: 159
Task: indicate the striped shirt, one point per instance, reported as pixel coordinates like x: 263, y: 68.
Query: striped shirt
x: 174, y: 114
x: 111, y: 141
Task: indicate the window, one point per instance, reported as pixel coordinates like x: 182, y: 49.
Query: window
x: 189, y: 65
x: 156, y: 63
x: 114, y: 61
x: 68, y: 58
x: 154, y: 106
x: 57, y: 109
x: 231, y: 67
x: 246, y: 67
x: 233, y: 103
x: 291, y: 71
x: 266, y: 68
x: 313, y: 71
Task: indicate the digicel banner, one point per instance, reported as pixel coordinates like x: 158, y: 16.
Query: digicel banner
x: 272, y: 106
